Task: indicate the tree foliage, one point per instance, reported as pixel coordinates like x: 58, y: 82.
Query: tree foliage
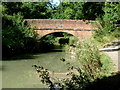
x: 18, y: 37
x: 92, y: 10
x: 111, y: 16
x: 29, y: 10
x: 78, y: 10
x: 109, y: 19
x: 15, y: 34
x: 67, y: 10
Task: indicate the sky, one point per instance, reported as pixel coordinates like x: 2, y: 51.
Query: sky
x: 57, y: 2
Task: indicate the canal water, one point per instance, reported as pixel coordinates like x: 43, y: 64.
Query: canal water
x: 19, y: 73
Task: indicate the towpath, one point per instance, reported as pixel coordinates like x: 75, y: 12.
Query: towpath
x: 113, y: 51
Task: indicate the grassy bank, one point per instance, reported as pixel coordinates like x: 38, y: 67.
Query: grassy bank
x: 103, y: 40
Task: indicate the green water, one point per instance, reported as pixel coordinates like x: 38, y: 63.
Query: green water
x: 19, y: 73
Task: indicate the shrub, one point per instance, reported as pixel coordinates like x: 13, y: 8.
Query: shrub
x: 91, y: 64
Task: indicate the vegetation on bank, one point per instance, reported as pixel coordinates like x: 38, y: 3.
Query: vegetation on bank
x: 86, y: 64
x: 17, y: 37
x: 109, y: 29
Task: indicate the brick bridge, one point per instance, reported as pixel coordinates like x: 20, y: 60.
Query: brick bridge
x: 78, y: 28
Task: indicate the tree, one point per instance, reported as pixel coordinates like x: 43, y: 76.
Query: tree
x: 67, y: 10
x: 32, y: 10
x: 78, y: 10
x: 111, y: 16
x: 92, y: 10
x: 15, y: 34
x: 109, y: 19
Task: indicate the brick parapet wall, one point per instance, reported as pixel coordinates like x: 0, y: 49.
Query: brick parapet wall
x: 61, y: 24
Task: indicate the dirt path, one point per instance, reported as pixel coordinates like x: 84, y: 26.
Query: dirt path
x: 113, y: 51
x: 114, y: 55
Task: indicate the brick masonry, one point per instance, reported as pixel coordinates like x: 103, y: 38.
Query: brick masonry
x: 78, y: 28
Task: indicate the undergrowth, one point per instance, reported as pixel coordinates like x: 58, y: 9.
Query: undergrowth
x: 100, y: 40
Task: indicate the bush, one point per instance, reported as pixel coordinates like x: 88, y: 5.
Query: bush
x: 91, y: 64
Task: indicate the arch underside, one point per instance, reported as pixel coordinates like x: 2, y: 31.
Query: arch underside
x: 78, y: 34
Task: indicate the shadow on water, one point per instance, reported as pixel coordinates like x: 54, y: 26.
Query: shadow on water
x: 20, y: 57
x: 2, y: 68
x: 106, y: 83
x: 30, y: 56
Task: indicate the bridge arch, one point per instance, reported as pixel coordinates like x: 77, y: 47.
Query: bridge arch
x: 78, y: 34
x: 57, y: 34
x: 78, y: 28
x: 58, y: 39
